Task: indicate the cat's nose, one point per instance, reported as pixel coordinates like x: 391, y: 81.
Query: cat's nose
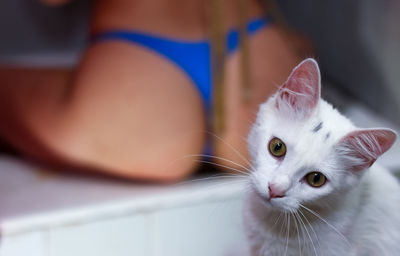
x: 279, y: 185
x: 275, y: 191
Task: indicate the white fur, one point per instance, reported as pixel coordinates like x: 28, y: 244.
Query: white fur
x: 358, y: 211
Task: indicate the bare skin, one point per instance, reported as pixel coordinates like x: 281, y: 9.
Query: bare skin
x: 129, y: 112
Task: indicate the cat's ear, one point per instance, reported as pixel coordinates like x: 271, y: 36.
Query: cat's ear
x: 302, y: 90
x: 360, y: 149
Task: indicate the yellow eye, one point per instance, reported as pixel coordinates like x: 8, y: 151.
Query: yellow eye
x: 315, y: 179
x: 277, y: 148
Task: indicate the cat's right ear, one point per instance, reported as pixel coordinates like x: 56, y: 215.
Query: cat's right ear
x: 301, y: 91
x: 360, y: 149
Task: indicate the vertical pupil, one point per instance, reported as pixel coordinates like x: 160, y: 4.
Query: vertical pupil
x: 278, y: 146
x: 317, y: 177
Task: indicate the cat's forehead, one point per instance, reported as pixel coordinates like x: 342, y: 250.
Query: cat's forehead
x: 322, y: 129
x: 329, y: 123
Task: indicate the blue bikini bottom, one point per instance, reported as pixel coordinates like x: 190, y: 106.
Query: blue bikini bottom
x: 193, y: 57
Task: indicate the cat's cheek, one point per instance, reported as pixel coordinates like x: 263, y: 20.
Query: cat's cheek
x: 319, y: 197
x: 349, y: 181
x: 258, y: 184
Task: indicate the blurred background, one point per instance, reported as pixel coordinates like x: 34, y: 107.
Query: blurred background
x: 357, y: 44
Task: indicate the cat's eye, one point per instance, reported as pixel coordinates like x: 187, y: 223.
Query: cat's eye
x: 315, y: 179
x: 277, y: 148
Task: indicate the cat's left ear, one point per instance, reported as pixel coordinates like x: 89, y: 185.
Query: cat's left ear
x: 360, y: 149
x: 302, y: 90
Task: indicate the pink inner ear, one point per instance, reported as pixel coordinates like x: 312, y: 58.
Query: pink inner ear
x: 363, y: 147
x: 302, y: 88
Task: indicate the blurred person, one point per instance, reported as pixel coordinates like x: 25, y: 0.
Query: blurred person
x: 138, y: 103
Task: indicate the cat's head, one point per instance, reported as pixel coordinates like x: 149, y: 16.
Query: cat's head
x: 303, y: 150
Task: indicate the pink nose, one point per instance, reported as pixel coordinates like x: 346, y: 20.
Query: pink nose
x: 275, y: 191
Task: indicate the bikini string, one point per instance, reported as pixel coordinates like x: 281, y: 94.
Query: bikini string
x: 245, y: 79
x: 218, y: 52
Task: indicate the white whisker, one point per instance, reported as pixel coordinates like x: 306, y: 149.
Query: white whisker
x: 231, y: 147
x: 213, y: 177
x: 223, y: 166
x: 297, y: 230
x: 288, y: 234
x: 312, y: 229
x: 301, y: 224
x: 219, y: 158
x: 327, y: 223
x: 276, y: 221
x: 308, y: 234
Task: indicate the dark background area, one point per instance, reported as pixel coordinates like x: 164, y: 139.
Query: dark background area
x: 358, y: 46
x: 30, y: 28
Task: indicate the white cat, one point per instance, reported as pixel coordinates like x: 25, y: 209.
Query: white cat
x: 314, y: 189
